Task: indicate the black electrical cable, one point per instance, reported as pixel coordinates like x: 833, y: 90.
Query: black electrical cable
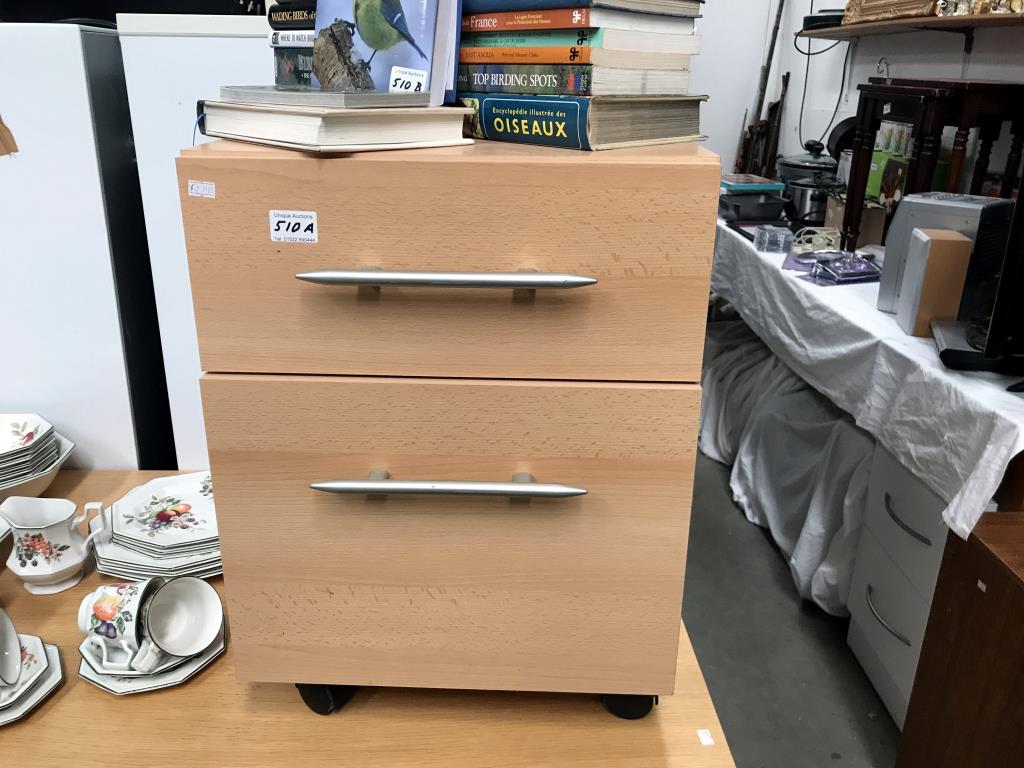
x: 807, y: 72
x: 839, y: 97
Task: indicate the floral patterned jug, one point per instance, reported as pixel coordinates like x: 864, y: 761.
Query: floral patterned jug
x: 49, y: 551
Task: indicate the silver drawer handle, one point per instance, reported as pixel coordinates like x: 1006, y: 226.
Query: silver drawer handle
x: 375, y: 278
x: 885, y: 624
x: 896, y: 519
x: 379, y: 483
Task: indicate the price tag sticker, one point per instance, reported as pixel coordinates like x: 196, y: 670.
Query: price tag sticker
x: 202, y: 188
x: 406, y: 80
x: 293, y: 226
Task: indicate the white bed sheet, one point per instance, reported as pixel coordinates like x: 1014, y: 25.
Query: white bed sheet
x: 958, y: 432
x: 799, y: 465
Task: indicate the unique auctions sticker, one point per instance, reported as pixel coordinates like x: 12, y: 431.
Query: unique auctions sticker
x: 406, y: 80
x: 202, y: 188
x: 293, y: 226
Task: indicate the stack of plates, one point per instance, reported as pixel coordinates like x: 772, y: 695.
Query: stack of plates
x: 174, y: 671
x: 31, y: 453
x: 167, y: 527
x: 40, y: 676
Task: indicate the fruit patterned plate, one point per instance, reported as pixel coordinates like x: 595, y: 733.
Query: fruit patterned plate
x: 45, y: 685
x: 168, y: 512
x: 33, y: 665
x: 19, y: 433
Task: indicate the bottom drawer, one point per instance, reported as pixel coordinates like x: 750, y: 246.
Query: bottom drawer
x: 888, y: 691
x: 560, y: 594
x: 888, y: 610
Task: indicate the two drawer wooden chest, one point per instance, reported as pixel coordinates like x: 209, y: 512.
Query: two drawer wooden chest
x: 411, y: 385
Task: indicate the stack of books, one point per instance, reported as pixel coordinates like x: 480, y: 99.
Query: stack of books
x: 586, y: 74
x: 292, y: 24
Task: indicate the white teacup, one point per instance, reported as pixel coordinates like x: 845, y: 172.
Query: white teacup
x: 110, y: 618
x: 149, y: 657
x: 183, y: 616
x: 10, y: 652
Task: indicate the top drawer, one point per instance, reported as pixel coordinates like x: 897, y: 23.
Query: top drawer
x: 639, y: 221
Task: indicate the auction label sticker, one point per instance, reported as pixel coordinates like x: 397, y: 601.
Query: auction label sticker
x: 406, y: 80
x: 202, y: 188
x: 293, y: 226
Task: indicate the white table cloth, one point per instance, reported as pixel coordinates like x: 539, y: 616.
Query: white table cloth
x: 956, y: 431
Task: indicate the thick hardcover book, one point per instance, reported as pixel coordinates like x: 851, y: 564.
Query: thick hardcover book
x: 575, y: 18
x: 295, y: 38
x: 300, y: 14
x: 566, y: 54
x: 555, y: 121
x: 534, y: 38
x: 667, y: 7
x: 572, y: 80
x: 541, y: 79
x: 386, y: 45
x: 575, y: 122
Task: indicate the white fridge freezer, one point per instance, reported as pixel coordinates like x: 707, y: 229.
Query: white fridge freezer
x: 78, y: 330
x: 170, y: 62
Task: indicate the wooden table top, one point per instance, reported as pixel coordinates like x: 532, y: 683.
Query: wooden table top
x: 212, y: 720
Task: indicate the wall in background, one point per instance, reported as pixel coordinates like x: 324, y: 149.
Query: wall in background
x: 997, y: 55
x: 735, y: 35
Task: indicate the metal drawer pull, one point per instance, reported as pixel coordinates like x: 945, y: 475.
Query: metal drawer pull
x: 379, y: 483
x: 896, y: 519
x: 374, y: 277
x: 885, y: 624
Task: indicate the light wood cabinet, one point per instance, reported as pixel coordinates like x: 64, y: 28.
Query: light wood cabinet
x: 592, y: 388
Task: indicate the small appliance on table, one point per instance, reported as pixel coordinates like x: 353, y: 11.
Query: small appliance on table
x: 455, y: 450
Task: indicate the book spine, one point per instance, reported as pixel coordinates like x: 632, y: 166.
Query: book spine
x: 292, y: 15
x: 548, y: 54
x: 293, y: 39
x: 553, y: 121
x: 501, y: 6
x: 535, y: 79
x: 558, y: 18
x: 534, y: 39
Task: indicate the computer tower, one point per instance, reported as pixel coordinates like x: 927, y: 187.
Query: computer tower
x: 986, y: 220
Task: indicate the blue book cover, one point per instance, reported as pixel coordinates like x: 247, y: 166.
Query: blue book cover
x: 554, y: 121
x: 375, y: 45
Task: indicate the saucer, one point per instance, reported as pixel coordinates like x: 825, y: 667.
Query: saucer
x: 46, y: 685
x: 33, y: 665
x: 120, y: 686
x: 91, y: 655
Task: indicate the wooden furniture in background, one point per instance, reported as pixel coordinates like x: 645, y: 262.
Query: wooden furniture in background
x: 965, y: 25
x: 215, y: 721
x: 594, y: 387
x: 967, y: 709
x: 861, y: 11
x: 931, y: 105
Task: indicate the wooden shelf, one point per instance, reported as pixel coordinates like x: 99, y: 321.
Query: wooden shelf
x: 965, y: 25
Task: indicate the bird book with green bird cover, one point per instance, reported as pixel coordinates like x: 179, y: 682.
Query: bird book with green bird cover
x: 390, y: 46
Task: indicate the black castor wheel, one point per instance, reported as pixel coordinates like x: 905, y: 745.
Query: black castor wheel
x: 325, y: 699
x: 628, y: 706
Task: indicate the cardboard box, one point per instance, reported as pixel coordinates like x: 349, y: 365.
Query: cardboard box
x: 872, y: 221
x: 933, y: 279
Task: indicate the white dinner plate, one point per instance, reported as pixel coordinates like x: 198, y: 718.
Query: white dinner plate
x: 114, y: 554
x: 168, y: 513
x: 44, y: 686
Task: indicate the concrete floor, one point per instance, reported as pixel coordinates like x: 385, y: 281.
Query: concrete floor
x: 788, y: 690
